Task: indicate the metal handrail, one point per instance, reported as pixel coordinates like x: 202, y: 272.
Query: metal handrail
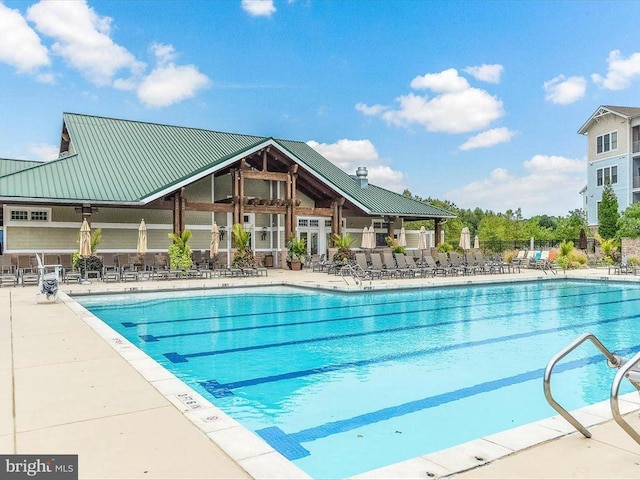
x: 356, y: 272
x: 615, y: 387
x: 613, y: 361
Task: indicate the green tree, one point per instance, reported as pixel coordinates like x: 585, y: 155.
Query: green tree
x: 568, y: 228
x: 608, y: 214
x: 629, y: 222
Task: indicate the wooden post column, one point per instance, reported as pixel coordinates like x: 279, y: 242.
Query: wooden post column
x: 179, y: 209
x: 235, y: 196
x: 438, y: 230
x: 340, y: 202
x: 288, y: 212
x: 391, y: 226
x: 294, y: 217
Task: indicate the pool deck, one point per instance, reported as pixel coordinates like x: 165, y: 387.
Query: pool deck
x: 70, y: 385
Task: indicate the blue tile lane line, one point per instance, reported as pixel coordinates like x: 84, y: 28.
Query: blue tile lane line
x: 156, y: 338
x: 335, y: 307
x: 176, y: 357
x: 290, y: 446
x: 220, y: 390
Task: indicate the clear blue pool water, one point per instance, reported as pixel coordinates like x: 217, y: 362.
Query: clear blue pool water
x: 344, y: 383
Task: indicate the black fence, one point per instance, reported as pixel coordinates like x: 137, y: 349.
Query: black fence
x: 499, y: 246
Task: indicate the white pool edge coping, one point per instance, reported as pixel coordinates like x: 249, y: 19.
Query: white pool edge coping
x: 260, y: 460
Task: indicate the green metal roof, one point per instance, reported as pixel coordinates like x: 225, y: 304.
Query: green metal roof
x: 8, y: 166
x: 128, y: 162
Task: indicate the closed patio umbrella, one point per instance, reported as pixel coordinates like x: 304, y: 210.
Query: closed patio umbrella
x: 85, y: 245
x: 372, y: 237
x: 85, y: 239
x: 142, y: 238
x: 402, y: 239
x: 215, y: 239
x: 422, y: 238
x: 476, y: 242
x: 465, y: 239
x: 364, y: 244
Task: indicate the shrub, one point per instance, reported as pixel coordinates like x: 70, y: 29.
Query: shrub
x: 393, y: 244
x: 179, y: 251
x: 243, y: 258
x: 445, y: 247
x: 343, y: 243
x: 509, y: 256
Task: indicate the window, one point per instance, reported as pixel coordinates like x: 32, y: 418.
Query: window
x: 39, y: 215
x: 607, y: 175
x: 26, y: 214
x: 607, y: 142
x: 19, y: 215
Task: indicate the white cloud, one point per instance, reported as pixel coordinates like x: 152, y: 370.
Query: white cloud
x: 458, y: 107
x: 20, y: 46
x: 550, y: 186
x: 372, y: 110
x: 488, y: 139
x: 258, y: 8
x: 486, y: 73
x: 83, y: 39
x: 42, y: 151
x: 171, y: 84
x: 563, y: 90
x: 621, y: 72
x: 447, y: 81
x: 351, y: 154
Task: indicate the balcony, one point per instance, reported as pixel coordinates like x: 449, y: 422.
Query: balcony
x: 636, y: 182
x: 635, y: 146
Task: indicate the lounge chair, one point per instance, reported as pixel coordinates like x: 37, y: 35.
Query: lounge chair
x: 361, y: 261
x: 433, y: 266
x: 466, y: 268
x: 376, y: 263
x: 489, y: 266
x: 390, y: 263
x: 424, y: 271
x: 404, y: 266
x: 443, y: 261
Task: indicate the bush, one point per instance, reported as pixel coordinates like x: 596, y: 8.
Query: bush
x: 509, y: 256
x: 93, y: 263
x: 179, y: 252
x: 445, y: 247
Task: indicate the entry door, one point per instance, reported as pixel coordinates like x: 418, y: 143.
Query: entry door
x: 312, y: 230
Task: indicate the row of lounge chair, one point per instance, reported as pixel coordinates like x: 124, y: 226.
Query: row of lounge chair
x: 24, y: 269
x: 398, y: 265
x: 537, y: 259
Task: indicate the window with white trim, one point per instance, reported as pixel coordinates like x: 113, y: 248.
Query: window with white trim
x: 22, y: 214
x: 607, y: 175
x: 607, y: 142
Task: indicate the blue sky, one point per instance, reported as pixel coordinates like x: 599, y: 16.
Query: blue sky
x: 477, y: 102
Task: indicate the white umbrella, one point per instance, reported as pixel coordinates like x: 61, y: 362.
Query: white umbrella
x: 476, y: 243
x: 142, y: 238
x: 364, y: 244
x: 422, y: 238
x: 531, y: 242
x: 85, y: 246
x: 465, y: 239
x: 372, y: 237
x: 215, y: 239
x: 402, y: 239
x: 85, y: 239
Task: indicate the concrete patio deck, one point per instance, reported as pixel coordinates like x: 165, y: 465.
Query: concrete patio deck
x: 65, y: 389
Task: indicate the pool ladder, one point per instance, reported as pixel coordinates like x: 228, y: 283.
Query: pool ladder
x: 626, y: 368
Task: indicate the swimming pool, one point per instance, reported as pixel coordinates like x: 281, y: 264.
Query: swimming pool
x: 345, y: 383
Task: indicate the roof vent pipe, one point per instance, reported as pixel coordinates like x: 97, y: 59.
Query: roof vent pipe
x: 361, y: 173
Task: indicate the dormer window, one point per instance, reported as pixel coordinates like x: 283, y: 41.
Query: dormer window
x: 607, y: 142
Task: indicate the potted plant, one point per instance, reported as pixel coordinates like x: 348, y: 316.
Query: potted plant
x: 179, y: 251
x: 343, y: 244
x: 297, y: 250
x: 243, y: 258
